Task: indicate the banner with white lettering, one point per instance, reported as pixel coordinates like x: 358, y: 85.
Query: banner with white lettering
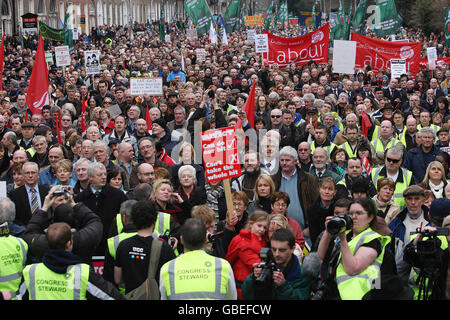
x: 378, y: 53
x: 301, y: 50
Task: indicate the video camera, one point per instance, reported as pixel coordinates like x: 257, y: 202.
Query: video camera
x: 268, y: 265
x: 339, y: 224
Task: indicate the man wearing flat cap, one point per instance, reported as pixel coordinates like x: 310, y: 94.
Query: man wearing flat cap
x: 413, y: 216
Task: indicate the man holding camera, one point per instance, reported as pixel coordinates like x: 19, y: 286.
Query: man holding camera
x: 428, y: 254
x: 287, y: 281
x: 59, y: 206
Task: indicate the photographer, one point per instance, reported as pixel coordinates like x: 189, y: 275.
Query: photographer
x: 362, y: 249
x: 287, y: 282
x: 428, y: 254
x: 59, y: 206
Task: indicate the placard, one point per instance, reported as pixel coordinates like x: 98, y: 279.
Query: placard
x: 3, y: 192
x: 398, y: 67
x: 75, y: 34
x: 344, y: 56
x: 62, y: 56
x: 201, y: 54
x: 251, y: 33
x: 431, y: 54
x: 261, y: 43
x: 48, y: 57
x: 253, y: 21
x: 150, y: 86
x: 220, y: 154
x: 92, y: 61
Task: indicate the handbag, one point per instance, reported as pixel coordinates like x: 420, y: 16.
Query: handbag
x: 149, y: 290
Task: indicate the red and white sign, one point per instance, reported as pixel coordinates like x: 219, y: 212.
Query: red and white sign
x: 220, y: 154
x: 378, y: 53
x: 301, y: 50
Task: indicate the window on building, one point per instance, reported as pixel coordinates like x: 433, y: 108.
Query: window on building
x: 5, y: 8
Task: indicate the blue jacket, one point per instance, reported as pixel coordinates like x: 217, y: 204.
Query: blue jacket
x: 417, y: 161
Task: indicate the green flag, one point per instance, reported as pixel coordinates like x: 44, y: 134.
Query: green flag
x: 162, y: 23
x: 50, y: 33
x: 68, y: 33
x: 232, y: 16
x: 268, y: 16
x: 314, y: 15
x: 358, y: 21
x: 339, y: 29
x: 389, y: 20
x: 200, y: 15
x: 447, y: 26
x: 283, y: 15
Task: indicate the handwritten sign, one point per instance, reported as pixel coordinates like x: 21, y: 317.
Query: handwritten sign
x: 150, y: 86
x: 62, y: 56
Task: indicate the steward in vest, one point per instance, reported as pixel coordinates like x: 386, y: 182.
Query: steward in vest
x: 321, y: 140
x: 385, y: 141
x: 429, y: 279
x: 26, y: 143
x: 133, y: 254
x: 62, y: 275
x: 362, y: 252
x: 393, y: 161
x: 195, y: 274
x: 13, y: 251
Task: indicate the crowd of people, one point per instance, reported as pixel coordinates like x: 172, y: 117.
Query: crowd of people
x: 365, y: 152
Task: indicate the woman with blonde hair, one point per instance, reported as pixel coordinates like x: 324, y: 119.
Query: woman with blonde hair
x: 263, y: 191
x: 435, y: 179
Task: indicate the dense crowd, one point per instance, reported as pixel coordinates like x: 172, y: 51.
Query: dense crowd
x: 365, y: 144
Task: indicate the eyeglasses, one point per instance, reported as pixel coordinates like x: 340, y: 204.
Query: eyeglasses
x: 109, y: 102
x: 238, y: 204
x: 280, y: 205
x: 392, y: 160
x: 358, y: 213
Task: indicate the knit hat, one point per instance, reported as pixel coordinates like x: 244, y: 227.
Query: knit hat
x: 161, y: 122
x: 359, y: 185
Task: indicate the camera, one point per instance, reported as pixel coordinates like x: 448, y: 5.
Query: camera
x: 212, y: 237
x: 339, y: 224
x: 268, y: 265
x: 64, y: 193
x: 211, y: 94
x: 167, y: 238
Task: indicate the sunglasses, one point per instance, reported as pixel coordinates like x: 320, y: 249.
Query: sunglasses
x: 276, y: 116
x: 392, y: 160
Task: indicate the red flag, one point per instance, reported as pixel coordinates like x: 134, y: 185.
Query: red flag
x: 249, y: 108
x: 147, y: 120
x: 366, y: 124
x: 58, y: 126
x: 83, y: 115
x: 2, y: 58
x: 37, y: 95
x: 366, y: 164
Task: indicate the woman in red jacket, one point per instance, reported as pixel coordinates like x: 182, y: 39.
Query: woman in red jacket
x: 244, y: 249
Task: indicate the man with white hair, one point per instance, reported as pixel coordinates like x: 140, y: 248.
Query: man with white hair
x: 319, y: 168
x: 127, y: 164
x: 301, y: 186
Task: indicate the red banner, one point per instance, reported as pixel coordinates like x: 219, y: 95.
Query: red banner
x: 301, y: 50
x: 378, y: 53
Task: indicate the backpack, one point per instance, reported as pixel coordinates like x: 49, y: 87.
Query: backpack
x: 149, y: 290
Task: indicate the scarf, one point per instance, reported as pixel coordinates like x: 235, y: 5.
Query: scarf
x: 212, y: 198
x: 437, y: 189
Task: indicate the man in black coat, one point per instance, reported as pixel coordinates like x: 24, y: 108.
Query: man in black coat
x: 28, y: 198
x: 86, y: 225
x: 102, y: 199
